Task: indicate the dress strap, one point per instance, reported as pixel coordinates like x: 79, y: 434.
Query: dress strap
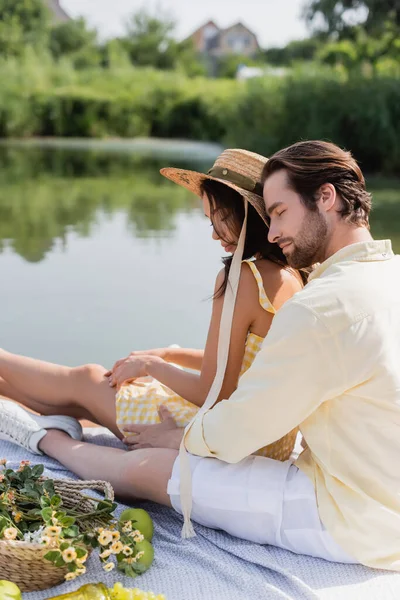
x: 264, y: 300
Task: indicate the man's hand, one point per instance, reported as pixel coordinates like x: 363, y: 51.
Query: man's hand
x: 161, y: 435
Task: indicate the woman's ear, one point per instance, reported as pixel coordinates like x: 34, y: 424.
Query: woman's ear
x: 328, y: 197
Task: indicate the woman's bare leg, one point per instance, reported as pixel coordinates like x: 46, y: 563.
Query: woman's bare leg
x: 11, y: 393
x: 140, y: 474
x: 81, y: 392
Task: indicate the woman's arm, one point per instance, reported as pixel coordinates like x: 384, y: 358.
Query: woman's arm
x: 188, y: 358
x: 195, y: 387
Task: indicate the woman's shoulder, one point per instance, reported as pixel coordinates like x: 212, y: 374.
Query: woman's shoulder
x: 280, y: 282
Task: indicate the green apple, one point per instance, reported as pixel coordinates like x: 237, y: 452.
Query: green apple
x: 9, y: 591
x: 147, y: 559
x: 141, y: 520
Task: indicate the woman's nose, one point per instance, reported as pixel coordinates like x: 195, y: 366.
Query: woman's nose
x: 215, y: 235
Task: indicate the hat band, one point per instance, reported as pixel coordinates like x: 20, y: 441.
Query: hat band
x: 240, y: 180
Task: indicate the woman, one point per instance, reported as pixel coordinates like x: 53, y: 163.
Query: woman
x: 88, y: 392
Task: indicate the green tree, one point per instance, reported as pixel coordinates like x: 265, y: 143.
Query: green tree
x: 338, y: 17
x: 363, y: 50
x: 75, y: 40
x: 149, y: 40
x: 297, y: 50
x: 23, y: 23
x: 70, y: 37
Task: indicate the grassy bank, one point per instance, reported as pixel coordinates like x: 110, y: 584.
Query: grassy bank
x: 40, y: 98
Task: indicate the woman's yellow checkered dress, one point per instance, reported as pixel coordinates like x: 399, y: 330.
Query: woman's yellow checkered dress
x: 139, y: 402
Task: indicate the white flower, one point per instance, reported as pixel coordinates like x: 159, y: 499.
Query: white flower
x: 52, y: 531
x: 109, y: 566
x: 47, y: 540
x: 71, y: 576
x: 117, y: 547
x: 35, y: 537
x: 10, y: 533
x: 105, y: 538
x: 69, y: 555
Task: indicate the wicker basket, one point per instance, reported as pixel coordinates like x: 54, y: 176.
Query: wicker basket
x: 24, y: 563
x: 281, y: 449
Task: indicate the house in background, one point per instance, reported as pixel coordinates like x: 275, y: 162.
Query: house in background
x: 211, y: 41
x: 59, y: 14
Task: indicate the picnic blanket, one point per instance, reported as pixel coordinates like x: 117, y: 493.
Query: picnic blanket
x: 217, y: 566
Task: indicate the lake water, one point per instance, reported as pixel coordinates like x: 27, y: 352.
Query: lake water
x: 100, y: 255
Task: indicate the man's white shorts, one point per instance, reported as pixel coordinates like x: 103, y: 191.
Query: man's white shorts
x: 260, y: 500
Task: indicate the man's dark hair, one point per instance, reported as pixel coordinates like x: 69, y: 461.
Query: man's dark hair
x: 311, y: 164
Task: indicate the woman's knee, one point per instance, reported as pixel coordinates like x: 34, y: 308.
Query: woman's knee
x: 90, y: 373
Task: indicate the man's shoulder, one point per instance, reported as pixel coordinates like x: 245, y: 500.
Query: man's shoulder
x: 350, y: 293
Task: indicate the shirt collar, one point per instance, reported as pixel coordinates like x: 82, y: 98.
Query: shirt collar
x: 359, y: 252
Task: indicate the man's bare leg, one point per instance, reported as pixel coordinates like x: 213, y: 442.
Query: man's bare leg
x: 140, y: 474
x: 80, y: 392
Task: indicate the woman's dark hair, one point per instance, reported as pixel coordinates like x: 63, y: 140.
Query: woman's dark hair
x: 228, y: 203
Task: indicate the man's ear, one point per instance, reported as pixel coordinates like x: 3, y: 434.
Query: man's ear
x: 328, y: 197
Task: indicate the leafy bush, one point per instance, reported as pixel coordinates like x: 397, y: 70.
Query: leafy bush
x: 39, y: 97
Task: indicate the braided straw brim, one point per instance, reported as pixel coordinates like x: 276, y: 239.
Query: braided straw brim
x: 242, y: 162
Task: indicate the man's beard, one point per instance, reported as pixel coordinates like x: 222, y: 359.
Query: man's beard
x: 308, y: 246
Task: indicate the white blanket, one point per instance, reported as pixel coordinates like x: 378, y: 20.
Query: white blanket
x: 216, y: 566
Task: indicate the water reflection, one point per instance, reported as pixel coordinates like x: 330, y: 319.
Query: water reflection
x: 45, y: 194
x: 100, y: 255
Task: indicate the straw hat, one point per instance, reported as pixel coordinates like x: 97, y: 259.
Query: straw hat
x: 240, y: 170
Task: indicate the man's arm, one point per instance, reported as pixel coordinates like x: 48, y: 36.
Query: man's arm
x: 296, y: 370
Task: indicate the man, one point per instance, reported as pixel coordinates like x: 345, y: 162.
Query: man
x: 329, y: 364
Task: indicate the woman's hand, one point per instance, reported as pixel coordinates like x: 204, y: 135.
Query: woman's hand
x: 130, y: 369
x: 159, y: 352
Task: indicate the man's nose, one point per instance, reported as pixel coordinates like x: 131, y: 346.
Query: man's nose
x: 273, y: 234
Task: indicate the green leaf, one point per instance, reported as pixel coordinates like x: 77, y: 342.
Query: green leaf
x: 59, y: 562
x: 26, y: 473
x: 64, y: 546
x: 48, y: 485
x: 67, y: 521
x: 72, y: 567
x: 53, y: 555
x: 44, y: 502
x: 71, y: 532
x: 46, y: 514
x: 56, y: 501
x: 106, y: 506
x: 80, y: 552
x: 37, y: 471
x: 128, y: 570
